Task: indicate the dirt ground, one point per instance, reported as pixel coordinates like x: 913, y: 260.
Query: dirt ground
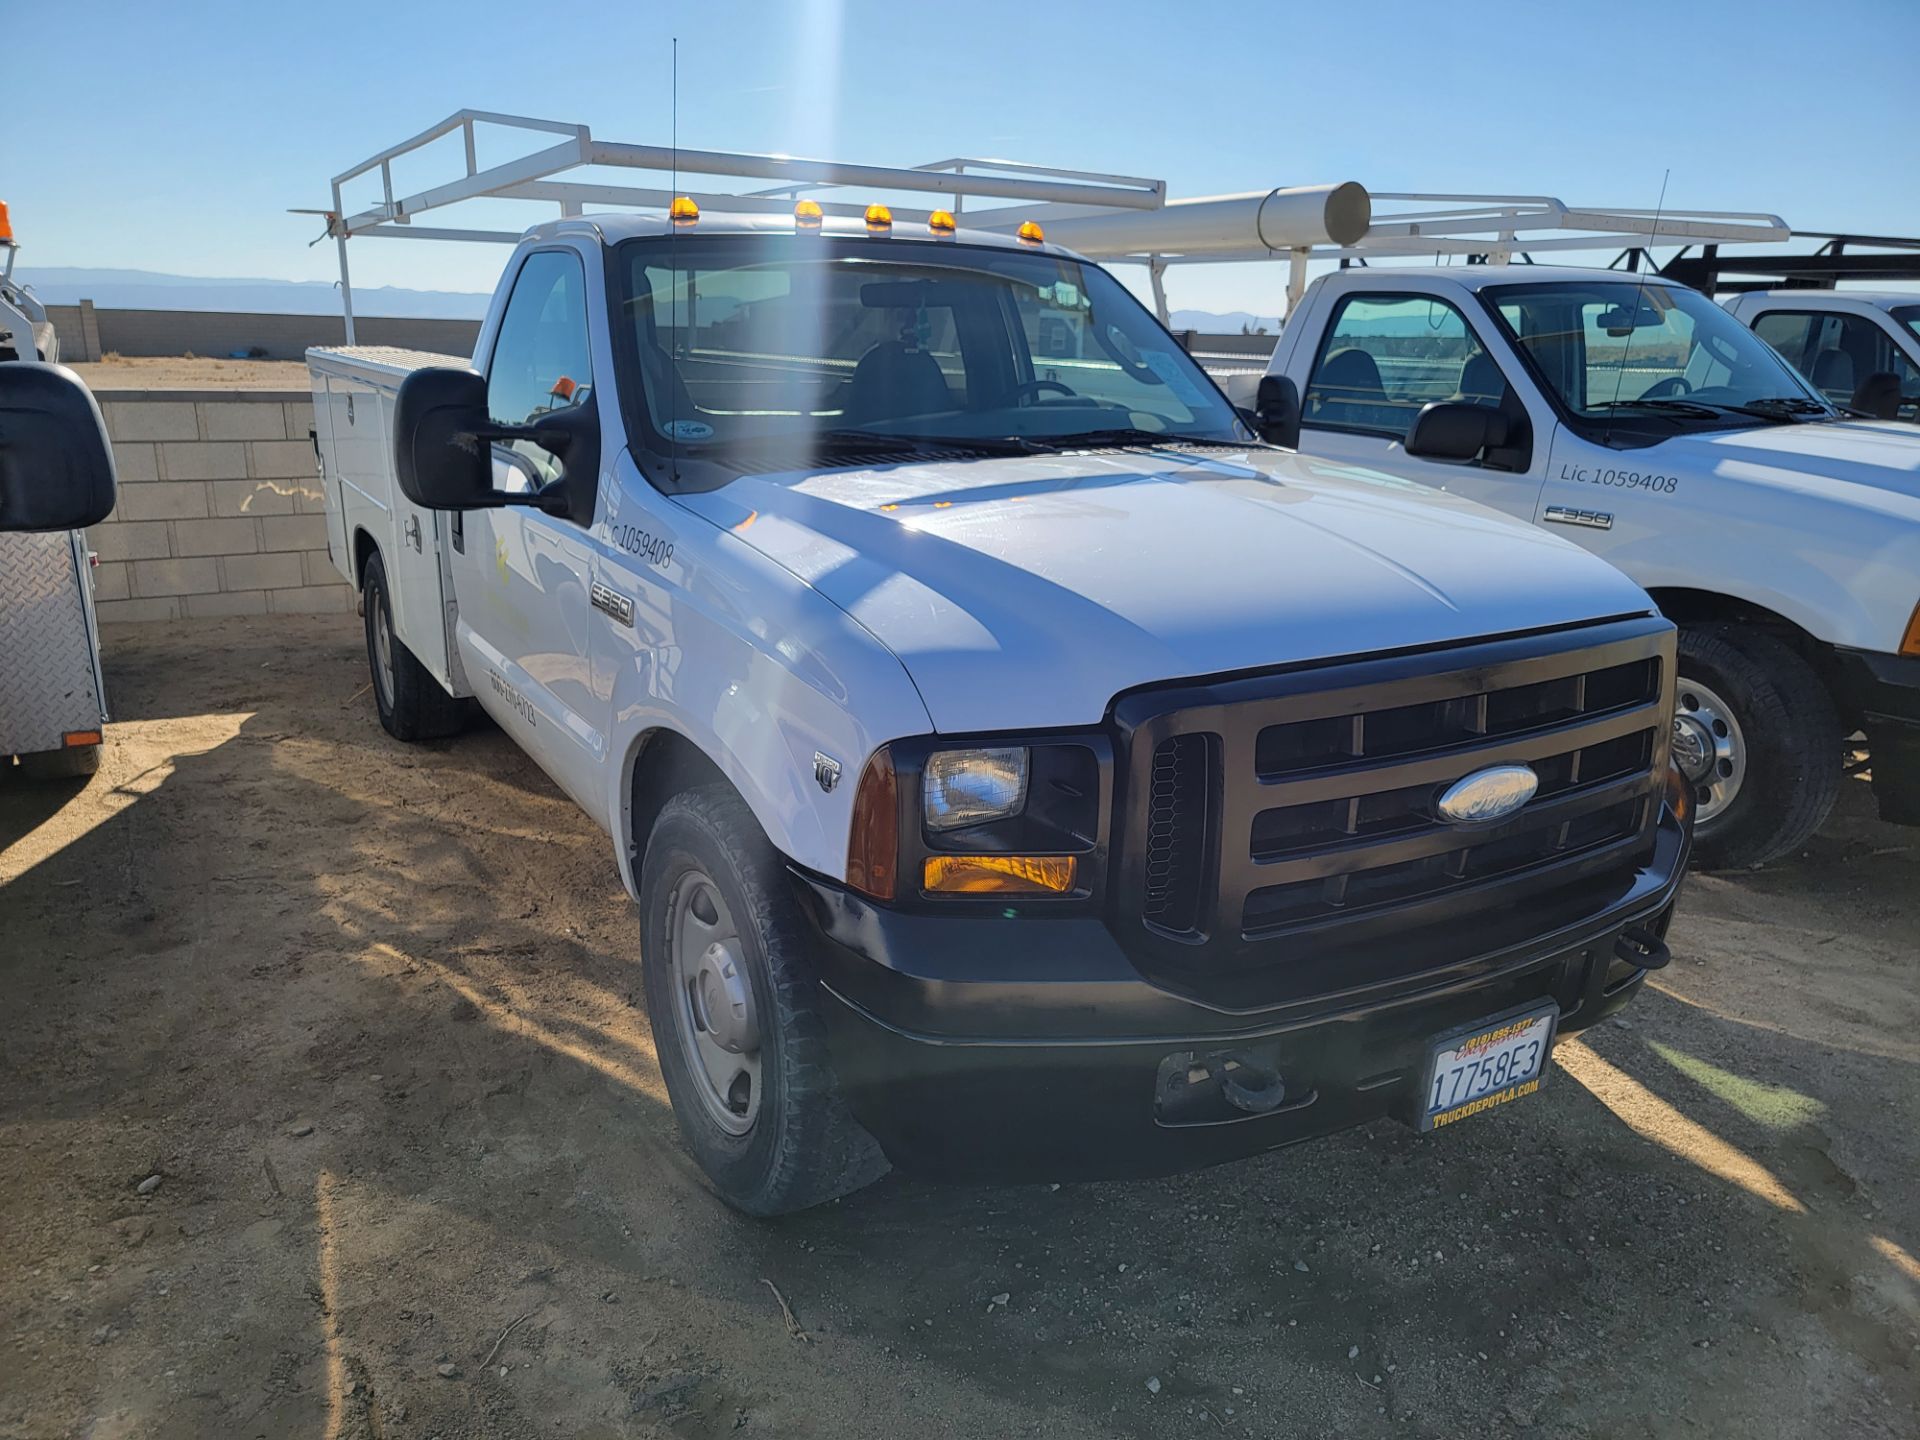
x: 192, y: 372
x: 371, y: 1015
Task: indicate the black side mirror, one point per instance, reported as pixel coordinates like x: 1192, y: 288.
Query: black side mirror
x: 443, y: 439
x: 56, y: 466
x: 1452, y: 430
x: 1276, y: 406
x: 1878, y: 395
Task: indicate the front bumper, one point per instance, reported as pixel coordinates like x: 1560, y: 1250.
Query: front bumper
x: 1877, y: 688
x: 1029, y: 1048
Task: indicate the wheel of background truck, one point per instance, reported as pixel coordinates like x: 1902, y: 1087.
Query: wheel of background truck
x: 69, y: 764
x: 412, y: 704
x: 1756, y: 734
x: 736, y: 1013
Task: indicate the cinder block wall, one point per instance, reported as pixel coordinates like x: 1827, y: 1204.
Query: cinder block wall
x: 220, y: 509
x: 87, y: 332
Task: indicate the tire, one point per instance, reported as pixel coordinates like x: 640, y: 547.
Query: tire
x: 787, y: 1141
x: 1779, y: 734
x: 412, y: 704
x: 72, y: 763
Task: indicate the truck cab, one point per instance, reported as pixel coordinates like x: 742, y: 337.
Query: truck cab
x: 1634, y: 416
x: 1859, y: 348
x: 1020, y: 769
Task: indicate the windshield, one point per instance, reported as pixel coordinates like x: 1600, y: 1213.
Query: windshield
x: 1608, y: 346
x: 764, y: 338
x: 1909, y: 316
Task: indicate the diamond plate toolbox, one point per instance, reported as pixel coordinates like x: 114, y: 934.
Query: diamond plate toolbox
x: 49, y: 673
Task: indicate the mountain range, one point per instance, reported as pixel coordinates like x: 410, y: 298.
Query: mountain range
x: 152, y: 290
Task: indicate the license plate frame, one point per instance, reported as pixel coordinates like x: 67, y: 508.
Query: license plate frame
x: 1525, y: 1023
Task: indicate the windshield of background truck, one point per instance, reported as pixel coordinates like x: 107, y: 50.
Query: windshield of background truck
x: 1611, y: 346
x: 1909, y: 316
x: 761, y: 337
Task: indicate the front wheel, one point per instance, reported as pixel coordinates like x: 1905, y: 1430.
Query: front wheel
x: 736, y: 1014
x: 1757, y: 737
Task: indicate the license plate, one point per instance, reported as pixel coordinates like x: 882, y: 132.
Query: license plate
x: 1494, y: 1062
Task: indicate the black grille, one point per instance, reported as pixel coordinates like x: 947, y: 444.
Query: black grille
x: 1294, y: 816
x: 1176, y: 833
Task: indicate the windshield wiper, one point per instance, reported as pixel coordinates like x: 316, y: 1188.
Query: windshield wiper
x: 1133, y: 435
x: 1708, y: 409
x: 1784, y: 405
x: 1671, y: 407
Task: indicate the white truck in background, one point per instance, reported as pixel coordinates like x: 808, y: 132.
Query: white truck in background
x: 53, y: 709
x: 1859, y: 348
x: 1019, y: 768
x: 1633, y: 415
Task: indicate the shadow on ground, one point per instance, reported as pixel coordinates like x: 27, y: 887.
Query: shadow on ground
x: 372, y: 1015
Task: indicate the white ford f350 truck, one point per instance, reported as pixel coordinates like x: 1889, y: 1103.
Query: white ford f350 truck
x: 1860, y: 348
x: 1635, y: 416
x: 1018, y: 767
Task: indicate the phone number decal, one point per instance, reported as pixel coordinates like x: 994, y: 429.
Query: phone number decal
x: 1626, y: 479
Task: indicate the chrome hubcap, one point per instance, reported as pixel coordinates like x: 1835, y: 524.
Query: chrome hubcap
x: 714, y: 1013
x: 1709, y: 748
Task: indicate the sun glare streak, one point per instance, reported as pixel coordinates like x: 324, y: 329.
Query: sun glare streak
x: 1774, y: 1106
x: 323, y: 1191
x: 510, y: 1021
x: 1652, y: 1118
x: 1899, y: 1258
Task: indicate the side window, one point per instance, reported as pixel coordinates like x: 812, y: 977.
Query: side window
x: 541, y: 360
x: 1786, y: 331
x: 1837, y: 352
x: 1385, y: 356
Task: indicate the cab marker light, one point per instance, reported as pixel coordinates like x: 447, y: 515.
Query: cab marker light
x: 879, y: 219
x: 807, y: 215
x: 1910, y: 642
x: 941, y: 223
x: 683, y: 211
x: 1030, y: 233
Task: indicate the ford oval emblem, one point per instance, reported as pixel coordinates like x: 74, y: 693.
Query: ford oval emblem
x: 1490, y: 794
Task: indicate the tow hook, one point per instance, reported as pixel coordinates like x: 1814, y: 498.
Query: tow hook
x: 1643, y: 948
x: 1202, y: 1089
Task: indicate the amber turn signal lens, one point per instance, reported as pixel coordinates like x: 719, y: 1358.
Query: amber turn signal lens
x: 1000, y: 874
x: 1679, y: 794
x: 873, y: 844
x: 1910, y: 642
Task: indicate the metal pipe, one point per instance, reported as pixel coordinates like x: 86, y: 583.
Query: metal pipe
x: 1271, y: 220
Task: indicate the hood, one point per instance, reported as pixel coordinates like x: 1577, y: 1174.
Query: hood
x: 1875, y: 463
x: 1027, y: 592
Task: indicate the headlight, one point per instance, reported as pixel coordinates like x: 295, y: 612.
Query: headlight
x: 971, y: 787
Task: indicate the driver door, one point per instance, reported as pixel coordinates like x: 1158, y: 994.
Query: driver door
x: 524, y: 577
x: 1385, y: 355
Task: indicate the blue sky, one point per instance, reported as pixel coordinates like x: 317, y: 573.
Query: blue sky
x: 175, y: 137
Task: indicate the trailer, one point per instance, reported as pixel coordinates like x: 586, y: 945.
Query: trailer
x: 52, y: 695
